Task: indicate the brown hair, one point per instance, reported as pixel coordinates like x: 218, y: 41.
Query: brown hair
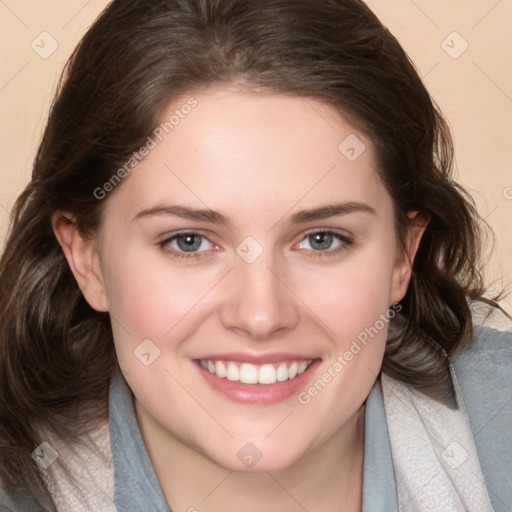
x: 56, y: 353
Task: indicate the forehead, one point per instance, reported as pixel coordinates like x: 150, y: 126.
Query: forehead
x: 233, y: 151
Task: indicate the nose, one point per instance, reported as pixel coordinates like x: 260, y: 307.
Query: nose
x: 258, y: 304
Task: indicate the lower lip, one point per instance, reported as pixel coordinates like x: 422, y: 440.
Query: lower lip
x: 259, y: 393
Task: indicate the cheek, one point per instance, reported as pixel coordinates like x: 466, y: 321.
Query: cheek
x: 352, y: 297
x: 351, y: 304
x: 148, y: 300
x: 129, y: 283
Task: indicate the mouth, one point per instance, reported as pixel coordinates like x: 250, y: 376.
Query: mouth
x: 266, y: 383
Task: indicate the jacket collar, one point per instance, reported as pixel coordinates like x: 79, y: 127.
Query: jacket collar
x: 136, y: 486
x: 379, y: 485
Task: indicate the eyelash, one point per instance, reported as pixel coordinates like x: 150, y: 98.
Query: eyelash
x: 164, y: 245
x: 346, y: 241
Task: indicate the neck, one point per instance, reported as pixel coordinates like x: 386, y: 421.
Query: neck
x: 330, y: 478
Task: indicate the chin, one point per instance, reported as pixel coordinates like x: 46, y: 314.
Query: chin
x: 257, y: 456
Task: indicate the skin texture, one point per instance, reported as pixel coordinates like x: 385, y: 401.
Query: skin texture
x: 258, y: 160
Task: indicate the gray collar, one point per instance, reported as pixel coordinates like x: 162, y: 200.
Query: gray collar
x: 379, y: 486
x: 136, y: 487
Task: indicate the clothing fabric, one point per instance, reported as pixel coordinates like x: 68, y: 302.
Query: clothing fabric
x: 434, y: 454
x: 419, y: 456
x: 83, y: 481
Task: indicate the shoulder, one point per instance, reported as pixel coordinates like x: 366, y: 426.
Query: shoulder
x: 484, y: 362
x: 483, y: 367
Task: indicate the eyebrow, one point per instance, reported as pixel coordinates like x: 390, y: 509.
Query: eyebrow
x: 184, y: 212
x: 331, y: 210
x: 207, y: 215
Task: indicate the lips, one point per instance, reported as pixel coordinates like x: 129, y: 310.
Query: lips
x: 257, y: 379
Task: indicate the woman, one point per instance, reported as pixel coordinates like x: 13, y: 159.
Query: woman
x: 235, y: 281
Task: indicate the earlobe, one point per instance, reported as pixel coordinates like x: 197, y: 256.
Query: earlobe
x: 405, y: 258
x: 82, y: 256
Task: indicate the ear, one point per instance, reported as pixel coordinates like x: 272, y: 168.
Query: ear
x: 402, y: 269
x: 82, y: 256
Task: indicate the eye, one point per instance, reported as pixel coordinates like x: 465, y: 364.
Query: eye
x: 324, y: 241
x: 187, y: 242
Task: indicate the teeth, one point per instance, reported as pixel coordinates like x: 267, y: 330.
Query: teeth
x: 267, y: 374
x: 302, y: 366
x: 220, y: 369
x: 253, y: 374
x: 293, y: 370
x: 233, y: 373
x: 248, y: 374
x: 282, y: 373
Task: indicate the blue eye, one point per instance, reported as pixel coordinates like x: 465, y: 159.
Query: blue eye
x: 187, y: 242
x: 324, y: 241
x: 320, y: 241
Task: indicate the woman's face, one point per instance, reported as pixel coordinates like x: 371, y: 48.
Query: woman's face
x: 255, y: 239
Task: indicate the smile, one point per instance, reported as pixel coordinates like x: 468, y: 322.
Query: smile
x: 247, y: 373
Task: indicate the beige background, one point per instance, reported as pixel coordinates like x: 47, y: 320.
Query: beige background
x: 473, y: 88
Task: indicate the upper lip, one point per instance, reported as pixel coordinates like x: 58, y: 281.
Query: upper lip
x: 257, y: 359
